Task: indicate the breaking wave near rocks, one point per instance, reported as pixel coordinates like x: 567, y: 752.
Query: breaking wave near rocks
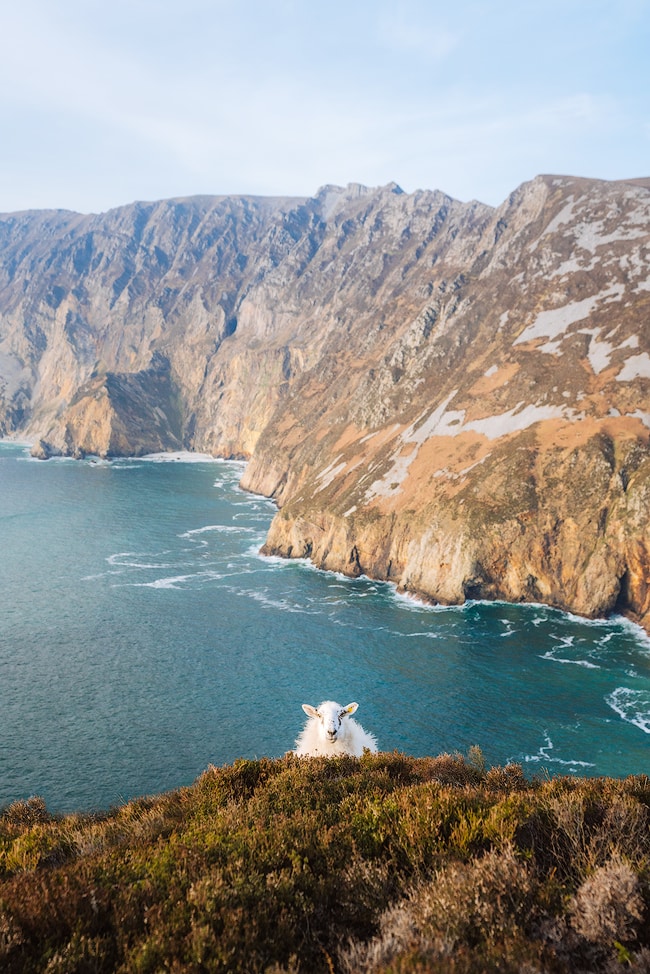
x: 632, y: 706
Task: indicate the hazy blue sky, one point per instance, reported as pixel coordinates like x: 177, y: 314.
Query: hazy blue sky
x: 103, y: 103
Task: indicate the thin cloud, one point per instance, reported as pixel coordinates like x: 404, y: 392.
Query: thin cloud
x: 401, y: 33
x: 139, y: 99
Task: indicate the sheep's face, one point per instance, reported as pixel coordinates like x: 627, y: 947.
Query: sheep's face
x: 330, y: 716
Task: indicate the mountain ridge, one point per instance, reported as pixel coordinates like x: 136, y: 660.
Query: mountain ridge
x: 448, y: 395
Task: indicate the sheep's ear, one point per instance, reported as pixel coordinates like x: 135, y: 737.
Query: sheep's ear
x: 350, y: 709
x: 310, y: 711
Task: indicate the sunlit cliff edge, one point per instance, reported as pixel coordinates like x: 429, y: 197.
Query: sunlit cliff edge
x: 449, y: 396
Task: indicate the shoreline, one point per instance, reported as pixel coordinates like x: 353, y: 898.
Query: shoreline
x: 420, y: 599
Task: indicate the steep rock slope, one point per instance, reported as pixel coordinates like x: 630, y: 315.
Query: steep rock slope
x: 87, y: 303
x: 495, y: 444
x: 449, y: 396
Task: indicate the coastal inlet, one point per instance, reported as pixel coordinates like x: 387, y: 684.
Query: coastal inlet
x: 143, y: 637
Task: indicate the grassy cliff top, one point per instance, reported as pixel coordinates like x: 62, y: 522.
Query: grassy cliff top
x: 384, y: 863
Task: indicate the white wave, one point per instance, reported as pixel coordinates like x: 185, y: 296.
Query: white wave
x: 99, y: 575
x: 118, y: 560
x: 174, y: 582
x: 348, y: 582
x: 264, y: 599
x: 632, y: 706
x: 639, y: 634
x: 411, y: 635
x: 564, y: 640
x: 251, y: 512
x: 277, y: 560
x: 219, y: 528
x: 576, y: 662
x: 177, y: 581
x: 548, y: 613
x: 543, y: 756
x: 407, y: 600
x: 611, y: 622
x: 52, y: 460
x: 181, y: 456
x: 254, y: 552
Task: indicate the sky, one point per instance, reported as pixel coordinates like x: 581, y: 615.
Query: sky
x: 104, y: 103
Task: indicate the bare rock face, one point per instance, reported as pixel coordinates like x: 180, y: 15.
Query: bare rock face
x: 497, y: 444
x: 125, y: 413
x: 449, y: 396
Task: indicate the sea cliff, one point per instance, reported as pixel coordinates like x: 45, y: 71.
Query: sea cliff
x: 447, y: 395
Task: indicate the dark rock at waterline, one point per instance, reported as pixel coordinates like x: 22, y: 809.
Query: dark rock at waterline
x: 43, y: 450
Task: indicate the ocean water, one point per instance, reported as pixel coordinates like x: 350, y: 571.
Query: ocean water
x: 142, y: 637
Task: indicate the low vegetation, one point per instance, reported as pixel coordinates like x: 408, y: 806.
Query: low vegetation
x: 383, y: 863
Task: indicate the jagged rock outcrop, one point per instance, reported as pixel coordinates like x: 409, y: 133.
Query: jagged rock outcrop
x: 446, y: 395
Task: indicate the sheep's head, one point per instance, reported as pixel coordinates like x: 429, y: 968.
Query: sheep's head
x: 330, y: 716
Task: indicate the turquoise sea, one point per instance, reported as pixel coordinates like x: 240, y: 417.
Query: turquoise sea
x: 142, y: 637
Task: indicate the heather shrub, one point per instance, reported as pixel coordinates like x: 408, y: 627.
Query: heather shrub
x: 81, y: 954
x: 27, y: 850
x: 609, y: 906
x: 476, y: 901
x: 508, y: 778
x: 583, y: 829
x: 382, y: 863
x: 11, y: 936
x: 28, y: 812
x: 625, y: 831
x: 454, y: 770
x: 469, y: 904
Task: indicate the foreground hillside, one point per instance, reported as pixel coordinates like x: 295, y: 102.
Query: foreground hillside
x: 384, y: 863
x: 446, y: 395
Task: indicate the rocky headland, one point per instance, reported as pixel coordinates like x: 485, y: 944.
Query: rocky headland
x: 446, y: 395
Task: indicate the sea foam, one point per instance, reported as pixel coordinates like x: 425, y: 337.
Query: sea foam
x: 632, y: 706
x: 550, y: 655
x: 544, y: 757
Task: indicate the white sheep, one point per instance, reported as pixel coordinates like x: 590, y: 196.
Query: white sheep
x: 331, y: 731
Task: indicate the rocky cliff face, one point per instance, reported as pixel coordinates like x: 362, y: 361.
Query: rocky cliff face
x: 445, y: 395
